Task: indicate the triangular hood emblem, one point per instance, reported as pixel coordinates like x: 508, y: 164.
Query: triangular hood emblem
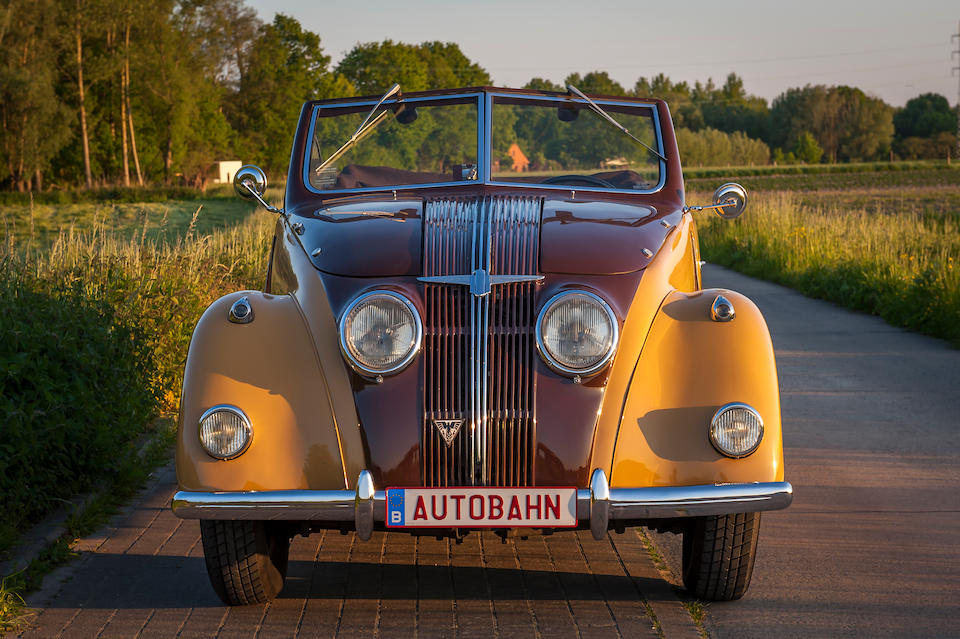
x: 448, y: 428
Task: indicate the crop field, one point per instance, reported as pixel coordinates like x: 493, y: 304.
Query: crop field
x: 907, y: 175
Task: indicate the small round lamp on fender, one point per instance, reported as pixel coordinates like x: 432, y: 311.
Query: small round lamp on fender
x: 736, y: 430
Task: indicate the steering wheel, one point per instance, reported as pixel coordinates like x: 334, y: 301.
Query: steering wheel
x: 588, y: 179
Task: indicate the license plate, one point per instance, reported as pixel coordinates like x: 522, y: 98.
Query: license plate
x: 474, y: 507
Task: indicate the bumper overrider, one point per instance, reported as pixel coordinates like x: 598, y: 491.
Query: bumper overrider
x: 598, y: 504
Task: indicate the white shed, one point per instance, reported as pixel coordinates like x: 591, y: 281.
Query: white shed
x: 225, y: 170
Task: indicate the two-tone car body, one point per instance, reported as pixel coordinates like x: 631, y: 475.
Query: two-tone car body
x: 483, y: 310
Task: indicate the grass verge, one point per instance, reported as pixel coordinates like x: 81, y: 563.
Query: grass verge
x: 895, y: 261
x: 694, y: 608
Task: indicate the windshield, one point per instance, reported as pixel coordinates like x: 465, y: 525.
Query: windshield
x: 414, y: 142
x: 561, y: 142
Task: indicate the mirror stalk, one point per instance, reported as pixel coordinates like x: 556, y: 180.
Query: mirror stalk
x: 263, y: 203
x: 728, y: 201
x: 250, y: 183
x: 709, y: 207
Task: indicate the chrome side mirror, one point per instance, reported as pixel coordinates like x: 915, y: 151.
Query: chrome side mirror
x: 250, y: 183
x: 250, y: 180
x: 728, y: 201
x: 731, y: 198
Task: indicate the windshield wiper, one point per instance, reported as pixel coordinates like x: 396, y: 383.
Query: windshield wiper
x: 608, y: 118
x: 366, y: 127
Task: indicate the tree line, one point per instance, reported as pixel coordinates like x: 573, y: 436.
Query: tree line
x: 106, y: 92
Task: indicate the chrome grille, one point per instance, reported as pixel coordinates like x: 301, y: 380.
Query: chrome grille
x: 478, y: 350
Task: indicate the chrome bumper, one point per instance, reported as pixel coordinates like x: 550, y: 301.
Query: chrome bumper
x: 598, y: 504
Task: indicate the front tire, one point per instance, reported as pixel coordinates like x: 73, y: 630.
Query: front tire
x: 718, y: 555
x: 246, y: 560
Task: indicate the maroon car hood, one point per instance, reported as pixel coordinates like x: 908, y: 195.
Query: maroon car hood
x: 598, y: 238
x: 382, y: 239
x: 366, y: 239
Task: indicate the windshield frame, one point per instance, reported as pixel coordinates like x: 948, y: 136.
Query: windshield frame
x: 315, y: 112
x: 485, y: 105
x: 488, y: 131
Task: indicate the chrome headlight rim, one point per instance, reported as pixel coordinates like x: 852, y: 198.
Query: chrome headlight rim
x: 714, y: 425
x: 358, y: 366
x: 551, y: 361
x: 247, y: 427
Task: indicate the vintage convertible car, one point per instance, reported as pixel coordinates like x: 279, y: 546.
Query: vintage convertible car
x: 483, y: 309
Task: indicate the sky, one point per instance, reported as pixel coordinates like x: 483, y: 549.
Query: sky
x: 893, y: 50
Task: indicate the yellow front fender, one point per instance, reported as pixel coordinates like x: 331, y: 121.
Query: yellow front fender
x: 269, y: 368
x: 689, y: 367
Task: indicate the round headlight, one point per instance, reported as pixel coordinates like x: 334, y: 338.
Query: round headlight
x: 225, y: 431
x: 577, y: 333
x: 736, y: 430
x: 380, y: 333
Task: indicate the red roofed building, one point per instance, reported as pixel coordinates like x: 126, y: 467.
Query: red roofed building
x: 520, y: 161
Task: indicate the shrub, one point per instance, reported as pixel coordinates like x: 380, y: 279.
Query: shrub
x: 93, y: 339
x: 710, y: 147
x: 75, y: 390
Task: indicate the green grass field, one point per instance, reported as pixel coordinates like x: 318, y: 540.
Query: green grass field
x: 38, y: 225
x: 892, y: 252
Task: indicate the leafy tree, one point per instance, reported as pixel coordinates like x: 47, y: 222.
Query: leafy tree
x: 286, y: 66
x: 867, y: 125
x: 924, y: 116
x: 34, y: 121
x: 710, y: 147
x: 686, y: 113
x: 539, y: 84
x: 373, y: 67
x: 225, y: 31
x: 730, y: 109
x: 596, y: 82
x: 846, y: 123
x: 806, y: 149
x: 940, y: 145
x: 448, y: 67
x: 181, y: 91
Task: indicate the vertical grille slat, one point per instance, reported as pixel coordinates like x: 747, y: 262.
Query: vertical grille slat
x: 478, y: 350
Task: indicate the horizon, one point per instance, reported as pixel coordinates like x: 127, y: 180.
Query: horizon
x: 894, y: 52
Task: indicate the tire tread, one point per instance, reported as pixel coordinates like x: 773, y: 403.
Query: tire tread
x: 239, y: 561
x: 719, y: 554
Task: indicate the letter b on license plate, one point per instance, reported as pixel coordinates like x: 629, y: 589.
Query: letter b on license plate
x: 470, y: 507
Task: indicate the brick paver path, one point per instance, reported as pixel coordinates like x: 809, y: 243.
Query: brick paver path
x: 145, y: 577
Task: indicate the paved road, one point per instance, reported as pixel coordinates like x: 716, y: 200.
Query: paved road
x: 871, y: 417
x: 869, y: 548
x: 145, y: 577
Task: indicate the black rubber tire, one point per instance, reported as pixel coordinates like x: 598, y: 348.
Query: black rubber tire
x: 718, y: 556
x: 246, y: 560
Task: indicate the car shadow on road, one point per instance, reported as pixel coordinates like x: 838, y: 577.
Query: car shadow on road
x: 126, y: 581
